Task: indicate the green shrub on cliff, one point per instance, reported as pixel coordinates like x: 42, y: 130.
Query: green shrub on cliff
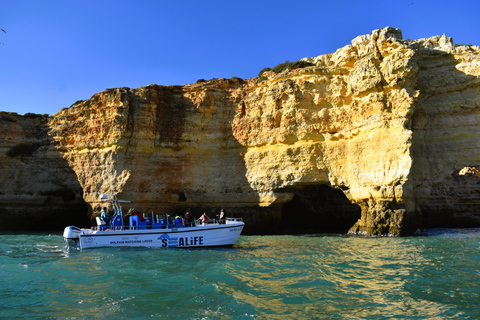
x: 261, y: 78
x: 111, y: 90
x: 7, y: 119
x: 287, y: 65
x: 35, y: 115
x: 264, y: 70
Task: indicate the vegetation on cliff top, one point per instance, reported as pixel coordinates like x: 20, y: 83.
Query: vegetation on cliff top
x: 284, y: 66
x: 215, y: 79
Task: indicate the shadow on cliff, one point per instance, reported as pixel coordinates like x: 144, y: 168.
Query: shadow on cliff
x: 445, y: 139
x: 312, y: 208
x: 181, y: 153
x: 39, y: 191
x: 319, y: 209
x: 192, y: 161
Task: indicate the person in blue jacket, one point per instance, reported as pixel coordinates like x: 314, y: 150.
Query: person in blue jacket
x: 105, y: 217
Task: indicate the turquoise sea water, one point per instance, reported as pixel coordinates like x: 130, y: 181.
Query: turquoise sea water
x: 262, y: 277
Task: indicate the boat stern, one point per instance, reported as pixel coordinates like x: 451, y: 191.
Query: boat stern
x: 71, y: 237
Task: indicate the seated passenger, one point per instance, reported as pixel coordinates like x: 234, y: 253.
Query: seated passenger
x: 178, y: 221
x: 221, y: 219
x: 140, y: 216
x: 105, y: 217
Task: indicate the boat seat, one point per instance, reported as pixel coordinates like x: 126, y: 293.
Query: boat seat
x: 137, y: 223
x: 130, y: 222
x: 156, y: 224
x: 101, y: 224
x: 162, y: 223
x: 116, y: 223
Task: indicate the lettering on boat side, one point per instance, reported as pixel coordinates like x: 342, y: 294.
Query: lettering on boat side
x: 180, y: 242
x: 130, y: 241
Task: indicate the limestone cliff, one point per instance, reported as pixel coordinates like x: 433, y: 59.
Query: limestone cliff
x: 344, y: 123
x: 38, y: 189
x: 372, y: 137
x: 446, y: 127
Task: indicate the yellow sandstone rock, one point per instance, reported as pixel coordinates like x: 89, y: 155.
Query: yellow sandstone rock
x: 386, y: 123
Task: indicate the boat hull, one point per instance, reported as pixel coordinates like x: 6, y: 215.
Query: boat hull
x: 187, y: 237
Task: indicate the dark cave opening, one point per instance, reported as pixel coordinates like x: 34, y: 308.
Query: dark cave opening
x: 182, y: 197
x: 319, y: 209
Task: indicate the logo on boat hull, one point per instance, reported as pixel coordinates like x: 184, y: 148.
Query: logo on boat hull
x: 180, y: 241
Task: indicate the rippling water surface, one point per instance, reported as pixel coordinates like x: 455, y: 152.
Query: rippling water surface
x: 269, y: 277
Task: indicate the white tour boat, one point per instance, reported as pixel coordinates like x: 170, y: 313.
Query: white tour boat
x: 159, y: 233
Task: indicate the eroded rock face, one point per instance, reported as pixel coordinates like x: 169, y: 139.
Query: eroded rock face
x: 38, y: 189
x: 166, y: 148
x: 344, y: 123
x: 371, y: 137
x: 446, y: 133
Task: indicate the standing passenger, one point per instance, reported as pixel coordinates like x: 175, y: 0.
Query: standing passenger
x: 189, y: 219
x: 222, y: 216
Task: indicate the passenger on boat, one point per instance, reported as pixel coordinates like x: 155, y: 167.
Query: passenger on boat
x: 189, y: 218
x: 140, y: 216
x: 178, y: 222
x: 105, y: 217
x: 222, y: 216
x: 204, y: 217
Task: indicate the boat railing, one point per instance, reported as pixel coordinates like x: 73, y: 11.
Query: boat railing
x: 104, y: 228
x: 156, y: 225
x: 233, y: 220
x: 217, y: 221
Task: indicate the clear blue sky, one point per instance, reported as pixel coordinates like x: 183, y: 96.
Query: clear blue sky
x: 58, y: 52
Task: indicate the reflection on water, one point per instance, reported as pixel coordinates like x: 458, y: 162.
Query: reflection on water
x: 270, y: 277
x: 355, y: 277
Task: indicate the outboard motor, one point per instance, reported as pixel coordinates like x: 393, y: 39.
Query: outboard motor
x: 71, y: 237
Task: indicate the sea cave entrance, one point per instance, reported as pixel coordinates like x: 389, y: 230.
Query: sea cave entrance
x: 319, y: 209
